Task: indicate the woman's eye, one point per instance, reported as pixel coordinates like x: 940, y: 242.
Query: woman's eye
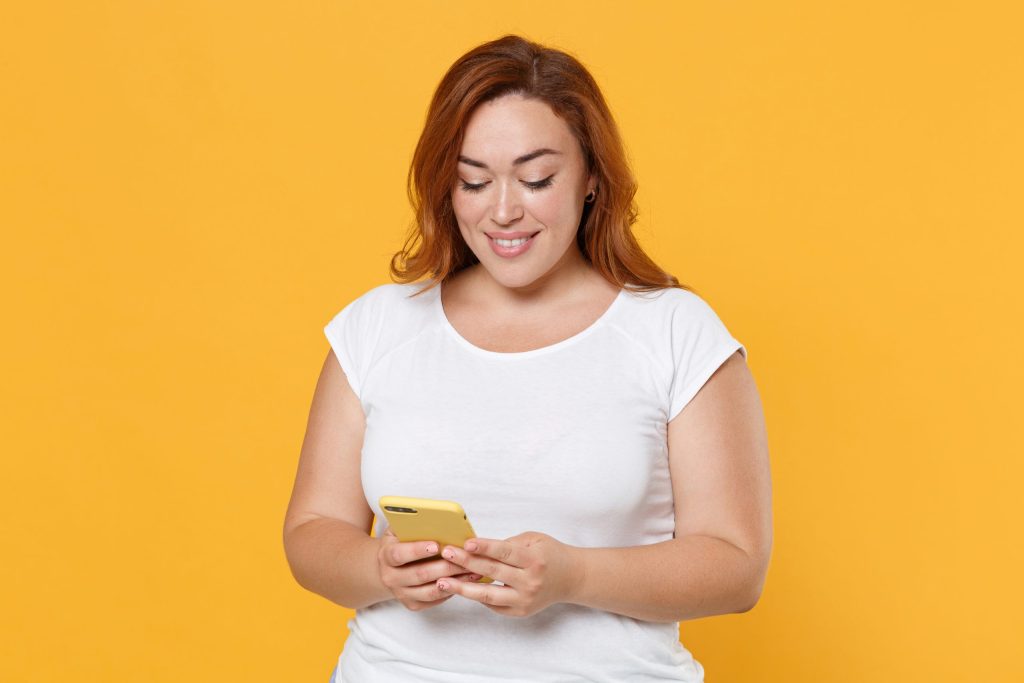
x: 472, y: 188
x: 540, y: 184
x: 533, y: 187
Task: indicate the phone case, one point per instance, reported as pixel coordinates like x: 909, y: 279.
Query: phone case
x: 427, y: 519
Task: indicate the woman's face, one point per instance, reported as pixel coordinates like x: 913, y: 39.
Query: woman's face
x: 521, y: 173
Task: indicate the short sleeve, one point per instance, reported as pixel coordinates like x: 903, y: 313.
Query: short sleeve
x: 352, y: 334
x: 700, y: 344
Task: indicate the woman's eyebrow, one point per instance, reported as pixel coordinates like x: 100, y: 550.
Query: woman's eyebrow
x: 518, y: 160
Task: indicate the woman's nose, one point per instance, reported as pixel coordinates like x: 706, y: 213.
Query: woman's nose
x: 508, y: 205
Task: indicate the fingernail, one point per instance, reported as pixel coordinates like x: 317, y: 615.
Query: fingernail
x: 470, y: 546
x: 450, y: 554
x: 431, y: 548
x: 443, y: 586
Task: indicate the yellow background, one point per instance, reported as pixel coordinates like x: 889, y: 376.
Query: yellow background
x: 190, y: 190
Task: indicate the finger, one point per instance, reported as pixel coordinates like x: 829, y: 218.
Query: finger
x: 505, y: 552
x: 482, y: 565
x: 428, y: 592
x: 434, y: 602
x: 398, y: 554
x: 485, y: 593
x: 428, y: 572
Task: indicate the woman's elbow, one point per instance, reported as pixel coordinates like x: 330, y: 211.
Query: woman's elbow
x: 750, y: 603
x: 756, y: 584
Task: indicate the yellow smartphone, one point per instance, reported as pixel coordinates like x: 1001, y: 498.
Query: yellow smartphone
x: 427, y: 519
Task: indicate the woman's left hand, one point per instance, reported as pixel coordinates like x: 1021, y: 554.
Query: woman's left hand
x: 537, y: 570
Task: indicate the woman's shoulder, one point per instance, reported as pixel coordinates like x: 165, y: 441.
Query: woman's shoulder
x: 381, y: 318
x: 662, y: 303
x: 666, y: 316
x: 386, y: 314
x: 389, y: 298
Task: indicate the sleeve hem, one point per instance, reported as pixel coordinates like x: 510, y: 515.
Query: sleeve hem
x: 682, y: 399
x: 346, y: 362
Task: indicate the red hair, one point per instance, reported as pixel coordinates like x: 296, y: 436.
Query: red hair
x: 514, y: 65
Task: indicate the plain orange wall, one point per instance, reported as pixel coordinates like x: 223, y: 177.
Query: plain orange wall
x: 190, y: 190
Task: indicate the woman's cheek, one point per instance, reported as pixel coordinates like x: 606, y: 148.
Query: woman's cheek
x: 562, y: 213
x: 546, y: 209
x: 468, y: 209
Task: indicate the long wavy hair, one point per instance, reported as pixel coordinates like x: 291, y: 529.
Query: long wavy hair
x: 513, y: 65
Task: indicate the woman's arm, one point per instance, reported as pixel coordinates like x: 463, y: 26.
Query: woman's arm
x: 684, y: 578
x: 721, y: 483
x: 327, y: 525
x: 337, y: 560
x: 718, y: 460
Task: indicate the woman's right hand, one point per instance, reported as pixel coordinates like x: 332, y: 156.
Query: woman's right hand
x: 410, y: 577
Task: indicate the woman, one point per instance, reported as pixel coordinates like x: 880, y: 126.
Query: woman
x: 595, y: 419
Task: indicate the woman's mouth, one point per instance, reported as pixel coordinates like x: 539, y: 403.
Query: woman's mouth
x: 509, y: 248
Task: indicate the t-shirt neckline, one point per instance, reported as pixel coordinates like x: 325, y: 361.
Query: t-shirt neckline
x: 512, y: 355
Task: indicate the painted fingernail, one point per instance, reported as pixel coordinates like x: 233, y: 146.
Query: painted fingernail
x: 450, y: 554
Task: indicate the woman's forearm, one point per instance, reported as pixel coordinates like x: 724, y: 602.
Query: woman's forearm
x: 683, y: 578
x: 335, y: 559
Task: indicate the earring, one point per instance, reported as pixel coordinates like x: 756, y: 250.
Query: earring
x: 590, y: 197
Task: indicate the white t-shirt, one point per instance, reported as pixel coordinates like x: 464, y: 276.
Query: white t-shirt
x: 568, y: 440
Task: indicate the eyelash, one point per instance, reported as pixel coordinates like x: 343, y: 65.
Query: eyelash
x: 533, y: 187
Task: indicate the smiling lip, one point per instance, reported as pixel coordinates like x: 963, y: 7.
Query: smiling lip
x: 509, y: 235
x: 510, y: 252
